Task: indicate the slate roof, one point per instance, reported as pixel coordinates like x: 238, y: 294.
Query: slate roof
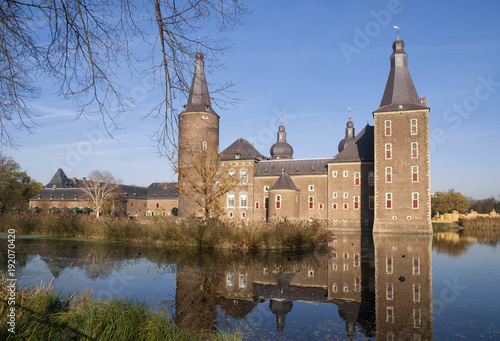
x: 361, y: 149
x: 243, y: 148
x: 199, y: 97
x: 67, y: 194
x: 60, y: 180
x: 163, y: 190
x: 284, y: 182
x: 292, y: 166
x: 137, y: 192
x: 400, y: 93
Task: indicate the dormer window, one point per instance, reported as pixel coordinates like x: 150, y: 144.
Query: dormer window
x: 237, y: 156
x: 208, y: 107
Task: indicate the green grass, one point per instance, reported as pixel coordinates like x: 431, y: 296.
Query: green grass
x: 172, y: 232
x: 41, y: 315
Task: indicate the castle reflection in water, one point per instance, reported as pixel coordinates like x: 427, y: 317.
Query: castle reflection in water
x: 382, y: 285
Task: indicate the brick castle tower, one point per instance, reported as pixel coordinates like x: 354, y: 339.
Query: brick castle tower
x: 401, y: 146
x: 198, y: 132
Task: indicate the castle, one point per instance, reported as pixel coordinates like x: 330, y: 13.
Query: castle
x: 379, y: 180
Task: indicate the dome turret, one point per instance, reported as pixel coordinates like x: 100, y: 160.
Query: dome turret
x: 281, y: 149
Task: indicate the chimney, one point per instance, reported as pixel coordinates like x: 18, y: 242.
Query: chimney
x: 423, y: 101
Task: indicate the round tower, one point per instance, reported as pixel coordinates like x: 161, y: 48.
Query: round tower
x: 198, y: 138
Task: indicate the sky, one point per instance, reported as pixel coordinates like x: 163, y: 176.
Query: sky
x: 311, y: 61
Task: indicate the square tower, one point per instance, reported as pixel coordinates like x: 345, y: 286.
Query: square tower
x: 401, y: 147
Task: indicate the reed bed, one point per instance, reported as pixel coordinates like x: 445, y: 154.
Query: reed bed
x: 42, y: 315
x: 173, y: 232
x: 479, y: 223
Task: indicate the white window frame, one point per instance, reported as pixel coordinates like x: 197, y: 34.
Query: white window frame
x: 413, y: 125
x: 244, y: 176
x: 334, y: 174
x: 386, y: 125
x: 345, y: 173
x: 415, y: 196
x: 229, y: 197
x: 388, y: 170
x: 414, y: 172
x: 416, y: 149
x: 388, y: 148
x: 243, y: 200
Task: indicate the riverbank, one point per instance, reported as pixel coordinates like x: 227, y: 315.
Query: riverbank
x: 467, y: 224
x: 40, y: 314
x: 173, y: 233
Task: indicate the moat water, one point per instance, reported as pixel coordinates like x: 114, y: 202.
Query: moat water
x: 387, y: 287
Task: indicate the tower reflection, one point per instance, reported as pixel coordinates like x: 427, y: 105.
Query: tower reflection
x: 382, y: 286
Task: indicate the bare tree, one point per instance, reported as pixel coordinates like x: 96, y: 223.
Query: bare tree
x: 100, y: 188
x: 80, y: 45
x: 207, y: 181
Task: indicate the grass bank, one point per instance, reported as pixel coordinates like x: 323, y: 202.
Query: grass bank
x: 171, y: 232
x: 42, y: 315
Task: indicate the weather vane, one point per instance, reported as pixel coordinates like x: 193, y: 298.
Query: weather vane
x: 282, y: 118
x: 199, y: 44
x: 397, y: 30
x: 349, y: 113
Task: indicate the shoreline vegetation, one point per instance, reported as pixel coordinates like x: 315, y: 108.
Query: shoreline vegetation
x: 172, y: 232
x: 468, y: 224
x: 40, y: 314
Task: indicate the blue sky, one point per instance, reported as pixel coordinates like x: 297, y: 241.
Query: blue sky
x: 312, y: 60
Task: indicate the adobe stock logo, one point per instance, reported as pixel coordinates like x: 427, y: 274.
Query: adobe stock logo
x: 363, y: 36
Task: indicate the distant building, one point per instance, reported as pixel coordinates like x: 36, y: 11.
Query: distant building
x: 63, y: 193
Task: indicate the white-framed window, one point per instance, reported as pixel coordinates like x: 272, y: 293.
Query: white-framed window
x: 417, y: 321
x: 334, y: 266
x: 231, y: 172
x: 230, y: 214
x: 357, y: 178
x: 346, y: 267
x: 388, y: 200
x: 416, y: 266
x: 416, y: 292
x: 243, y: 200
x: 346, y: 206
x: 266, y: 189
x: 387, y: 128
x: 414, y: 150
x: 257, y: 205
x: 414, y: 200
x: 390, y: 315
x: 346, y: 174
x: 311, y: 187
x: 334, y: 287
x: 357, y: 284
x: 389, y: 292
x: 371, y: 178
x: 346, y: 288
x: 334, y: 205
x: 346, y: 195
x: 388, y: 264
x: 278, y: 201
x: 356, y: 260
x: 334, y: 195
x: 413, y: 126
x: 388, y: 151
x: 334, y: 174
x: 388, y: 174
x: 243, y: 215
x: 356, y: 203
x: 414, y: 173
x: 230, y: 200
x: 205, y: 145
x: 321, y: 206
x: 229, y: 280
x: 243, y: 281
x: 244, y: 176
x: 310, y: 202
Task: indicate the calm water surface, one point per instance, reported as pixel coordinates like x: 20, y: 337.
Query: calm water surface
x: 384, y: 287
